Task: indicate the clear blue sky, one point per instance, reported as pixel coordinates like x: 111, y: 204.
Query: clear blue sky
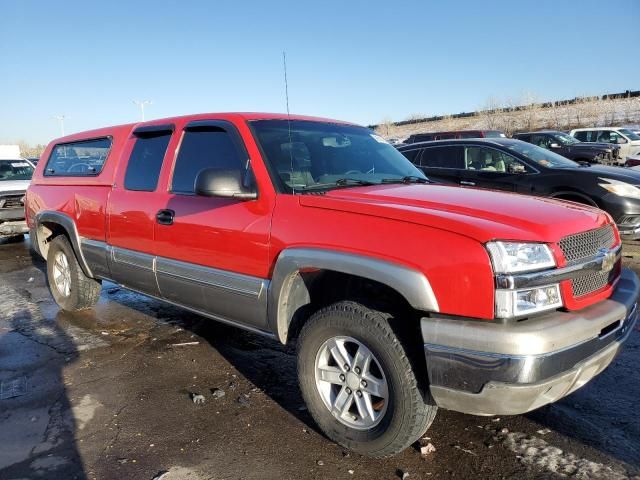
x: 361, y: 61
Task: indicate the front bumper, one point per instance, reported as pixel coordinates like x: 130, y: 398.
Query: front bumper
x: 13, y: 227
x: 486, y: 368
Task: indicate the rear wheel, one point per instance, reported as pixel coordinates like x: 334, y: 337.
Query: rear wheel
x: 70, y: 287
x: 358, y: 382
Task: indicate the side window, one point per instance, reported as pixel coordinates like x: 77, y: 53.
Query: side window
x: 204, y: 147
x: 412, y: 155
x: 443, y: 157
x: 615, y: 137
x: 543, y: 141
x: 604, y: 136
x: 145, y: 162
x: 524, y: 138
x: 488, y: 160
x: 78, y: 159
x: 582, y: 136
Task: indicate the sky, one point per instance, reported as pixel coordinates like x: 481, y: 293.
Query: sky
x: 359, y: 61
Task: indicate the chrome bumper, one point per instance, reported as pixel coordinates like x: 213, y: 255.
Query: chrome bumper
x: 13, y: 228
x: 628, y: 233
x: 486, y: 368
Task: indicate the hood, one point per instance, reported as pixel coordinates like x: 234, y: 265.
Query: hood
x: 595, y: 146
x: 480, y: 214
x: 623, y: 174
x: 13, y: 186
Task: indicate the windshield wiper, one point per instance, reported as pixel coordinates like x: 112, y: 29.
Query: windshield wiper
x: 406, y: 179
x: 341, y: 182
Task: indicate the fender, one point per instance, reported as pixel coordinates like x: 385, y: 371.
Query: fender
x: 287, y: 291
x: 587, y: 199
x: 67, y: 223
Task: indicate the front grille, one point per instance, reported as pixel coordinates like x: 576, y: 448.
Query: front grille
x: 582, y: 246
x: 587, y: 244
x: 589, y: 283
x: 11, y: 201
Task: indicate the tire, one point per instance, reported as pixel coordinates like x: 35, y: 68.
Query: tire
x: 405, y: 414
x: 73, y: 291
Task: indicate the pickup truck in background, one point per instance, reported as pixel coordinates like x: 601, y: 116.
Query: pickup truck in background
x: 402, y: 296
x: 15, y: 175
x: 573, y: 149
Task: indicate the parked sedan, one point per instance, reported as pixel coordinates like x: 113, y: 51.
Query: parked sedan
x: 571, y: 148
x: 514, y: 165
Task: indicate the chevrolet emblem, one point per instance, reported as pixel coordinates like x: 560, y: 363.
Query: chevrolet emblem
x: 608, y: 259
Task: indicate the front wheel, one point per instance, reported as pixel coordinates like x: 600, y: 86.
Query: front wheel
x: 358, y: 381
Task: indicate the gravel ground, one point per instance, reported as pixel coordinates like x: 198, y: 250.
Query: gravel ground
x: 108, y: 393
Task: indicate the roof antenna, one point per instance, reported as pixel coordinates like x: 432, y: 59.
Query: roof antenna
x: 286, y: 95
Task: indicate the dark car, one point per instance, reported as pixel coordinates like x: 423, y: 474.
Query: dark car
x: 569, y: 147
x: 513, y: 165
x: 427, y: 137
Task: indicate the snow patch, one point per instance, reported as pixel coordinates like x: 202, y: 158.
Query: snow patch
x: 534, y: 451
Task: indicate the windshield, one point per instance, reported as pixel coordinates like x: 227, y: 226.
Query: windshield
x: 15, y: 170
x: 565, y: 139
x: 629, y: 134
x: 312, y: 155
x: 541, y: 156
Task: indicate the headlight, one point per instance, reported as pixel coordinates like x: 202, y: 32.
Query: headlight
x: 514, y: 303
x: 620, y: 188
x: 512, y: 257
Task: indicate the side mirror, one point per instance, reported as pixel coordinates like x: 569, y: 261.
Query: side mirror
x: 554, y: 145
x: 516, y: 168
x: 216, y: 182
x: 621, y: 140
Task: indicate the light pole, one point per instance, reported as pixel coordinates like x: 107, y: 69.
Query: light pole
x: 141, y: 104
x: 60, y: 118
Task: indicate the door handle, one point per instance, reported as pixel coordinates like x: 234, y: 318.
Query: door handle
x: 465, y: 182
x: 165, y: 217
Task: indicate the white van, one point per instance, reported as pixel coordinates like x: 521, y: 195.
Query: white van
x: 628, y: 141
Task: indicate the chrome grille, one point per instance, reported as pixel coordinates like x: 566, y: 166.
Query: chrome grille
x: 581, y: 246
x: 11, y: 201
x: 586, y: 244
x: 589, y: 283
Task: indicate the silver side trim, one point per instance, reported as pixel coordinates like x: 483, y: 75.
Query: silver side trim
x: 132, y: 258
x: 217, y: 318
x: 287, y: 292
x: 96, y: 255
x: 213, y: 277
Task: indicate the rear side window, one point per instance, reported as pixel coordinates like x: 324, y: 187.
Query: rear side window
x: 204, y: 147
x: 443, y: 157
x: 145, y: 162
x: 582, y: 136
x: 78, y: 159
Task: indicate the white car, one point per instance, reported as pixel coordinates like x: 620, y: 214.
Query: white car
x: 628, y: 141
x: 15, y: 176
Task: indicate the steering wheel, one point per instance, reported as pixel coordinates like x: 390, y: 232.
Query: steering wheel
x: 352, y: 172
x: 79, y: 167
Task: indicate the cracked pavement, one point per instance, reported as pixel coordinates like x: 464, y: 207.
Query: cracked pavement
x: 106, y: 393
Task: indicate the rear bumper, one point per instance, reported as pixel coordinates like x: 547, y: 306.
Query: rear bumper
x: 485, y: 368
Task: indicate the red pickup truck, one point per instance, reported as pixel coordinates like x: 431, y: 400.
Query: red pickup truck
x: 402, y: 295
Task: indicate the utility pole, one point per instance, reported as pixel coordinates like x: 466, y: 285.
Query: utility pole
x: 141, y: 104
x: 60, y: 118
